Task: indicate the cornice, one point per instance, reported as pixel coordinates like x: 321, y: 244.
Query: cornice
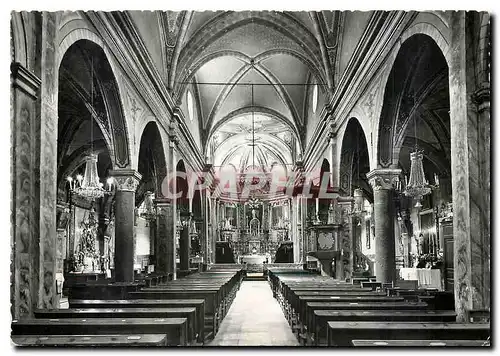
x: 25, y: 80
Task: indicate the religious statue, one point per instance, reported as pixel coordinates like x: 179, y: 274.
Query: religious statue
x: 227, y: 224
x: 254, y: 224
x: 421, y: 242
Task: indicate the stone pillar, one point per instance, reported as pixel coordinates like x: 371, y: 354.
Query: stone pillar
x: 205, y: 218
x: 126, y: 184
x: 470, y: 168
x: 171, y: 210
x: 383, y: 182
x: 303, y: 240
x: 25, y: 211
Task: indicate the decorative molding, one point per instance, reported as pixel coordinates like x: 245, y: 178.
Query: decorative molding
x: 25, y: 80
x: 127, y: 180
x: 481, y: 97
x: 384, y: 178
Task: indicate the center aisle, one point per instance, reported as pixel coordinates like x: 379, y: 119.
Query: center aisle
x: 254, y: 319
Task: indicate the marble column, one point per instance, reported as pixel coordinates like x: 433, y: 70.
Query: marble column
x: 303, y: 240
x: 205, y: 233
x: 171, y: 210
x: 25, y: 254
x: 470, y: 169
x: 126, y: 184
x: 383, y: 182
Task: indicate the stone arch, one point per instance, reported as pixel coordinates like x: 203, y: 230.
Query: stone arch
x: 152, y: 163
x: 397, y: 111
x: 20, y: 46
x: 353, y: 157
x: 258, y: 110
x: 229, y: 21
x: 423, y: 28
x: 433, y: 32
x: 115, y: 93
x: 182, y: 185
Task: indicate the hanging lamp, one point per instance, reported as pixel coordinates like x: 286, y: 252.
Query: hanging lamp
x: 89, y: 186
x: 417, y: 186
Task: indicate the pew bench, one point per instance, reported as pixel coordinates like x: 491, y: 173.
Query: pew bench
x: 184, y: 312
x: 420, y: 343
x: 199, y: 304
x: 210, y: 296
x: 322, y: 317
x: 174, y: 328
x: 341, y: 333
x: 142, y: 340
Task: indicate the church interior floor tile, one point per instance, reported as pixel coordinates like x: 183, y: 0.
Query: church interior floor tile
x: 254, y: 319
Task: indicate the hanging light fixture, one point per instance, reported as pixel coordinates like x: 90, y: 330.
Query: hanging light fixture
x: 89, y: 186
x: 417, y: 187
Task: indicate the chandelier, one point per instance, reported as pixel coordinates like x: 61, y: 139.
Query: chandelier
x: 417, y: 186
x: 89, y: 186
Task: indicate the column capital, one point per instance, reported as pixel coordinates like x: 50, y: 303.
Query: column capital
x: 384, y: 178
x: 481, y: 97
x: 332, y: 129
x: 126, y: 179
x: 25, y: 80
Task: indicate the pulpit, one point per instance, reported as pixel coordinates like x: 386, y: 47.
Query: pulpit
x: 325, y: 245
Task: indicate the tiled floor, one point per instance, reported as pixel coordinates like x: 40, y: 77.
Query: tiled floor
x: 254, y: 319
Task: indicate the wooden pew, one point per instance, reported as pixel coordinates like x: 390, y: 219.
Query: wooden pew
x: 102, y: 290
x: 210, y: 296
x: 300, y: 302
x: 216, y: 288
x: 141, y: 340
x: 321, y: 317
x: 126, y: 313
x: 341, y: 333
x: 420, y: 343
x: 174, y: 328
x: 199, y: 304
x: 307, y: 311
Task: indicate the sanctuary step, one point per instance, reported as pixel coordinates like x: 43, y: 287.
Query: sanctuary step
x: 255, y: 276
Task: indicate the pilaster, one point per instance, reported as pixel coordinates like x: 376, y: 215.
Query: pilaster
x: 24, y: 207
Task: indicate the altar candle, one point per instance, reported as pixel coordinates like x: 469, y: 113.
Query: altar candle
x: 317, y: 206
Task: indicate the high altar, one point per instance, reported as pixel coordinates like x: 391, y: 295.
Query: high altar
x: 254, y: 231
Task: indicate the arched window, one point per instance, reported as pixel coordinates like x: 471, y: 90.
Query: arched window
x: 190, y: 105
x: 315, y: 98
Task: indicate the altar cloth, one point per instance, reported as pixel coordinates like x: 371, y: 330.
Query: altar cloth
x: 427, y: 278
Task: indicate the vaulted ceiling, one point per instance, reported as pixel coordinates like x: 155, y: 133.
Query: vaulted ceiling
x: 222, y: 53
